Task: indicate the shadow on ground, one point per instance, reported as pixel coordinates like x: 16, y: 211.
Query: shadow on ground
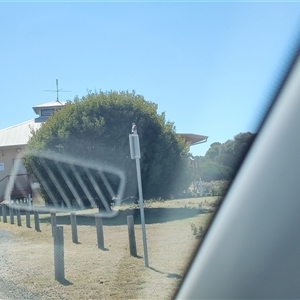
x: 64, y: 282
x: 169, y: 275
x: 152, y: 216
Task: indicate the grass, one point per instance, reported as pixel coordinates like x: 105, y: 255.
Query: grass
x: 95, y: 274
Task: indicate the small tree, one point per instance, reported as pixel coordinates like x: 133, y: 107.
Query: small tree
x: 96, y: 127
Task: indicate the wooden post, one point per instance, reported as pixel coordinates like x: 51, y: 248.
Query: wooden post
x: 59, y: 259
x: 131, y: 235
x: 4, y: 214
x: 53, y: 219
x: 99, y: 229
x: 19, y: 222
x: 36, y: 221
x: 74, y: 227
x: 27, y: 218
x: 11, y: 215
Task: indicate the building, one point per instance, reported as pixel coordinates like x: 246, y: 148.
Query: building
x: 194, y: 139
x: 13, y: 141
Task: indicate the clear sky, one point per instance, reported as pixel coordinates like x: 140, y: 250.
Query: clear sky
x: 210, y: 66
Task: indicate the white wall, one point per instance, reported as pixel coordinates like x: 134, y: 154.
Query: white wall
x: 7, y: 156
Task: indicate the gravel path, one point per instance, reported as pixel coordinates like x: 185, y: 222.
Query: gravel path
x: 8, y: 289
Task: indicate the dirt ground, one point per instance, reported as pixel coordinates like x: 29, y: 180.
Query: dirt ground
x: 26, y: 258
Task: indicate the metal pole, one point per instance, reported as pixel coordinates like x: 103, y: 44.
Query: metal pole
x: 138, y: 171
x: 135, y: 153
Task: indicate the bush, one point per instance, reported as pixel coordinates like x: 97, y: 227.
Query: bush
x: 215, y: 188
x: 97, y: 126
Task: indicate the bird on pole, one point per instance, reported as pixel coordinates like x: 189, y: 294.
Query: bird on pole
x: 134, y: 128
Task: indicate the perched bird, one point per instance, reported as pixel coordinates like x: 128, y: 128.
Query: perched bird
x: 134, y: 128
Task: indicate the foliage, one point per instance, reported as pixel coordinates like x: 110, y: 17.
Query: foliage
x: 96, y: 127
x: 232, y: 152
x: 215, y: 188
x: 221, y: 161
x: 199, y: 231
x: 211, y: 170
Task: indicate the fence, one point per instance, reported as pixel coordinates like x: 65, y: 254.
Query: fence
x: 58, y: 236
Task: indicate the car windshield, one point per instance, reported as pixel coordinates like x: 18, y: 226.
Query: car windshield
x: 122, y: 128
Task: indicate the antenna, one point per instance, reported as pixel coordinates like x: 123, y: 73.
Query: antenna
x: 57, y: 90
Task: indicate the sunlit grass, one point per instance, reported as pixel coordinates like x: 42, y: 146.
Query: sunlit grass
x: 96, y: 274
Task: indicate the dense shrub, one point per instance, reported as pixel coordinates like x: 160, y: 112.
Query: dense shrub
x: 97, y: 126
x: 215, y: 188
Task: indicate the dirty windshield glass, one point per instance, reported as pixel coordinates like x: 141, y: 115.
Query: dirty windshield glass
x: 122, y: 126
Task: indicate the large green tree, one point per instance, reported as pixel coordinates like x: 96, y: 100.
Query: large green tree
x: 96, y: 127
x: 221, y: 161
x: 210, y: 170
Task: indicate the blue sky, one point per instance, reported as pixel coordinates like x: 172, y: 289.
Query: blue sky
x: 210, y: 66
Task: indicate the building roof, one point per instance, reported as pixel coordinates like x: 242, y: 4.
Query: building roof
x: 193, y: 139
x: 52, y: 104
x: 18, y: 135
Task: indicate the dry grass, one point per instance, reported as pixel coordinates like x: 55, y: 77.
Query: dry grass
x: 112, y: 274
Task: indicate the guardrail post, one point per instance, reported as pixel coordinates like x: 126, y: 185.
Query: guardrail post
x: 4, y: 215
x: 11, y: 215
x: 27, y: 218
x: 36, y: 221
x: 59, y: 259
x: 74, y: 227
x: 131, y: 235
x: 99, y: 229
x: 53, y: 219
x: 29, y: 201
x: 19, y: 222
